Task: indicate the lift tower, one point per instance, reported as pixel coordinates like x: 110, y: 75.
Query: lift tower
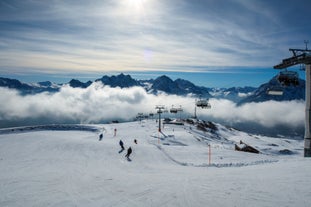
x: 302, y: 56
x: 160, y: 110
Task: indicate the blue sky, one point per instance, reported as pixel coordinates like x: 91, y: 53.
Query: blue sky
x: 218, y: 43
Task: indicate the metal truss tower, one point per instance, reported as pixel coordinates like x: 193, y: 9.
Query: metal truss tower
x: 302, y: 56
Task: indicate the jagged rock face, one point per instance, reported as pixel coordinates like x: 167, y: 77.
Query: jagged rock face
x: 177, y: 87
x: 78, y: 84
x: 13, y: 83
x: 167, y: 85
x: 25, y: 88
x: 122, y: 81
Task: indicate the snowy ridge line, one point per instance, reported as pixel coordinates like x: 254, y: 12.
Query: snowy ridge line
x: 219, y: 165
x: 57, y: 127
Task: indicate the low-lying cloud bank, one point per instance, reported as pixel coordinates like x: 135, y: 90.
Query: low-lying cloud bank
x: 267, y: 114
x: 98, y: 103
x: 270, y: 118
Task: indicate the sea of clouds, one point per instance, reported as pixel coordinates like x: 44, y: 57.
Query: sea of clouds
x: 100, y: 104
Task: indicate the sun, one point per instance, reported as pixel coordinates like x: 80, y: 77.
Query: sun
x: 135, y: 2
x: 136, y: 8
x: 136, y: 5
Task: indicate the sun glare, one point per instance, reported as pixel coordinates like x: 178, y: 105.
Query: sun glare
x: 136, y: 5
x: 136, y: 8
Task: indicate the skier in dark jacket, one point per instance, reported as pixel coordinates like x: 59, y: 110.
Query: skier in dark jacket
x: 121, y: 144
x: 129, y: 151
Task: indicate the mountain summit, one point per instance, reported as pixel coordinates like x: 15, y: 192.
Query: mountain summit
x: 122, y: 81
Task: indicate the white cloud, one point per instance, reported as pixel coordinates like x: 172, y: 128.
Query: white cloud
x: 99, y: 103
x: 268, y: 114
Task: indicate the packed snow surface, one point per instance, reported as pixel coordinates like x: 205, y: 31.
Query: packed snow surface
x: 67, y: 165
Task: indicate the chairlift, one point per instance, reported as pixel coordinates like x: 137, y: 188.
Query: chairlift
x: 175, y: 110
x: 139, y: 115
x: 275, y: 91
x: 203, y: 103
x: 287, y: 78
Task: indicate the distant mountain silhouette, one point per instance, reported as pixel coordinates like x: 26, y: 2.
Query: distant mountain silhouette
x: 25, y: 88
x: 78, y: 84
x: 122, y: 81
x: 177, y: 87
x: 164, y: 84
x: 13, y: 83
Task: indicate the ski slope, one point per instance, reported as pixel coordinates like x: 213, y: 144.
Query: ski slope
x: 67, y: 165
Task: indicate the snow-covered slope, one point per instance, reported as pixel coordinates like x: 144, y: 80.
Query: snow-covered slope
x: 44, y: 166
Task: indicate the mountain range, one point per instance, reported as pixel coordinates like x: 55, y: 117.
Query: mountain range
x: 239, y: 95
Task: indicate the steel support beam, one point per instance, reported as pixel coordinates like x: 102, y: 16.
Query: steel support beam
x: 307, y: 145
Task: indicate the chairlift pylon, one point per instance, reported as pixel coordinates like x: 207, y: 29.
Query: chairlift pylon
x: 302, y: 56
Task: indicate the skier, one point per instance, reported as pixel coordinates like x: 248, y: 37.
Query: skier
x: 135, y: 141
x: 100, y: 137
x: 121, y: 144
x: 129, y: 151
